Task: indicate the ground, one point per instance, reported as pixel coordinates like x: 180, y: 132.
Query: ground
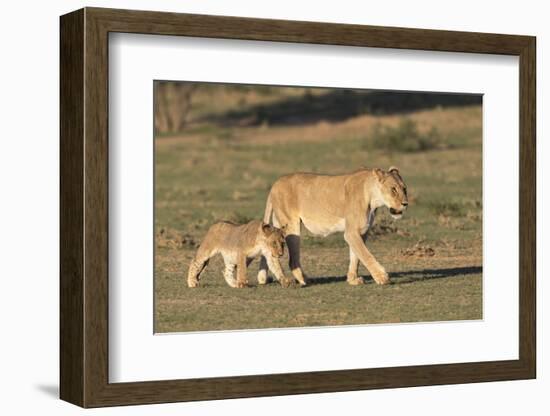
x: 433, y: 255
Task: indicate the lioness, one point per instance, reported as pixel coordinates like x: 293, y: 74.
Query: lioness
x: 239, y: 244
x: 326, y: 204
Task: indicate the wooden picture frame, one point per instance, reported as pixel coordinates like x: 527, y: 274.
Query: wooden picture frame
x: 84, y: 207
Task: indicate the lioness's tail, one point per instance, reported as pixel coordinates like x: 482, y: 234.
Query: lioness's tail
x: 268, y: 209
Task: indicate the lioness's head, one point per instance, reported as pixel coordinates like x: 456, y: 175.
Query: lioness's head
x: 274, y: 239
x: 393, y: 191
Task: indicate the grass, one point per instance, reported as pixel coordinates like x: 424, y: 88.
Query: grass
x: 433, y: 255
x: 406, y: 137
x: 423, y: 290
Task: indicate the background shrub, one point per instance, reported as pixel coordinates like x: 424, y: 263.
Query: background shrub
x: 405, y: 137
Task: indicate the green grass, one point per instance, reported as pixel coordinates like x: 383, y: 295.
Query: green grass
x: 225, y: 173
x: 419, y: 293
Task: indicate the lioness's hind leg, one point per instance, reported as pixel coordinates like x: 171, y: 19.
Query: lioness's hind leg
x: 293, y: 244
x: 262, y: 272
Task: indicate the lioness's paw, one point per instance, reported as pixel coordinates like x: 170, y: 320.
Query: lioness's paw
x: 193, y: 283
x: 241, y: 285
x: 356, y: 281
x: 381, y: 278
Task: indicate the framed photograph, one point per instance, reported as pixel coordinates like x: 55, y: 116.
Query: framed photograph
x: 255, y: 207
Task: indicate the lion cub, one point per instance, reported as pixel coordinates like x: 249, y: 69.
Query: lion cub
x: 239, y: 245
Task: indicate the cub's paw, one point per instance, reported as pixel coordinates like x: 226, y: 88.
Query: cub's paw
x: 242, y: 284
x: 193, y: 283
x: 286, y: 282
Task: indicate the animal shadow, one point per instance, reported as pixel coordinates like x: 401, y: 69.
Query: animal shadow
x: 406, y: 277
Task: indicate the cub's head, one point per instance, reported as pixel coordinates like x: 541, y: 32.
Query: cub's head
x: 393, y: 191
x: 274, y: 240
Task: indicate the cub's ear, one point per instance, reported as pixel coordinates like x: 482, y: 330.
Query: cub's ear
x: 266, y: 228
x: 393, y: 169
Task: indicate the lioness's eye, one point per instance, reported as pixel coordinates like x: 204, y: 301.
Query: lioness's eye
x: 394, y: 191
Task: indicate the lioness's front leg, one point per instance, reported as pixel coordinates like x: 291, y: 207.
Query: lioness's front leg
x: 352, y: 277
x: 355, y: 241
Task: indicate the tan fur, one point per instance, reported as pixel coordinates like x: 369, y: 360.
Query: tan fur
x: 239, y: 245
x: 325, y: 204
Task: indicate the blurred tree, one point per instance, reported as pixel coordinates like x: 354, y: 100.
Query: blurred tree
x: 172, y: 105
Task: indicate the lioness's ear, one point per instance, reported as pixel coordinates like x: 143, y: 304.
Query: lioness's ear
x: 379, y: 173
x: 393, y: 169
x: 266, y: 228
